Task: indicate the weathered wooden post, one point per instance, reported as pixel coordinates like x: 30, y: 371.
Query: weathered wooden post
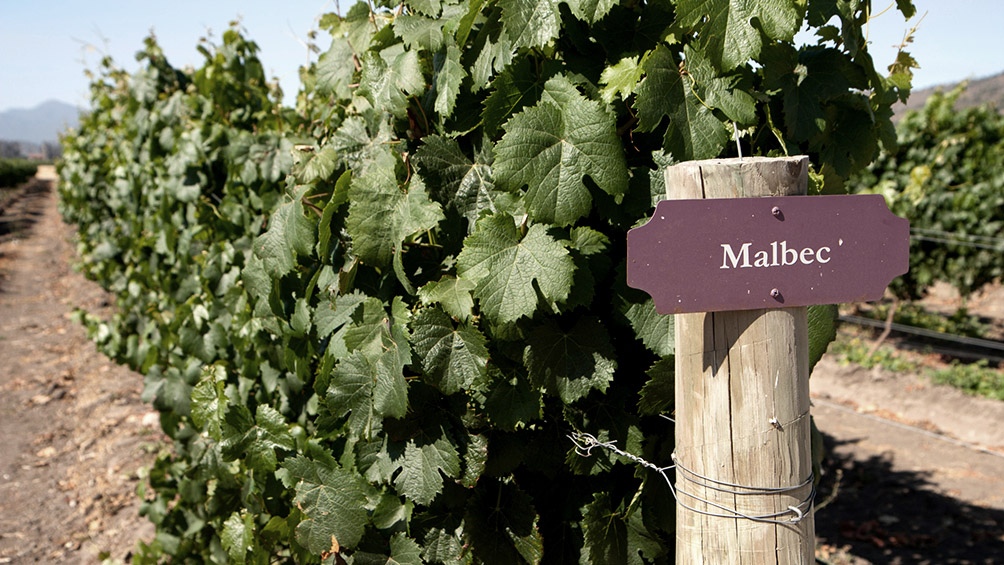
x: 737, y: 255
x: 742, y: 412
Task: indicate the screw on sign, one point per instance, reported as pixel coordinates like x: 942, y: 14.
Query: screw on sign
x: 712, y: 255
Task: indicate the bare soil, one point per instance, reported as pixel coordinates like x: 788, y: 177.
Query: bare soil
x: 914, y: 472
x: 74, y: 436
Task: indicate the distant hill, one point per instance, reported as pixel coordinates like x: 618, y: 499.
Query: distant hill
x: 40, y: 124
x: 988, y: 90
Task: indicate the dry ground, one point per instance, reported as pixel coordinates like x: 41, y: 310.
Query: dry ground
x: 74, y: 436
x: 918, y: 468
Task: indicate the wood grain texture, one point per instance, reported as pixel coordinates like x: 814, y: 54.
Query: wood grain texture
x: 742, y: 390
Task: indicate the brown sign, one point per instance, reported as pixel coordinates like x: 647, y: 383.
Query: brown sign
x: 773, y: 252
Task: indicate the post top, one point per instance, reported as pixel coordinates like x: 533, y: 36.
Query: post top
x: 753, y: 160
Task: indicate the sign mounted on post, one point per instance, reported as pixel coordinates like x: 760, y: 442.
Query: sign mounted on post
x: 712, y: 255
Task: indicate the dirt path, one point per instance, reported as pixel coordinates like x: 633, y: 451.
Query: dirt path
x: 916, y: 470
x: 74, y: 435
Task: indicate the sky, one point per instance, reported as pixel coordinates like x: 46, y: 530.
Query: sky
x: 45, y: 46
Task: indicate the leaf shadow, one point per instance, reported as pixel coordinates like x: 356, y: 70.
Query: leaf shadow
x: 883, y: 515
x: 21, y: 208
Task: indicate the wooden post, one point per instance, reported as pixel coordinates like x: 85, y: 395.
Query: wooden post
x: 742, y: 402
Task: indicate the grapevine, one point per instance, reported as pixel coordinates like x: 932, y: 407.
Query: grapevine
x: 13, y: 172
x: 371, y: 321
x: 946, y: 179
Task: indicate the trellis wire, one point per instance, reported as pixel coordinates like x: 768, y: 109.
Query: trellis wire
x: 585, y: 443
x: 957, y: 238
x: 924, y: 332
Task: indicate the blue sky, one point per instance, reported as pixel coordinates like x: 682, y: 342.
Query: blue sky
x: 46, y: 45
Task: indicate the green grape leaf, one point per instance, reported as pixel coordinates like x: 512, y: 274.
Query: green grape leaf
x: 335, y: 70
x: 511, y: 402
x: 722, y: 92
x: 445, y: 547
x: 659, y: 393
x: 368, y: 387
x: 475, y: 459
x: 256, y: 440
x: 810, y: 79
x: 530, y: 23
x: 907, y: 8
x: 591, y: 11
x: 569, y: 364
x: 449, y: 74
x: 378, y: 334
x: 430, y: 8
x: 505, y: 267
x: 370, y: 330
x: 357, y: 144
x: 588, y: 241
x: 518, y: 85
x: 325, y: 230
x: 404, y: 551
x: 693, y: 131
x: 657, y: 177
x: 726, y: 30
x: 170, y: 392
x: 604, y: 531
x: 237, y: 536
x: 391, y: 512
x: 851, y: 141
x: 501, y: 523
x: 615, y: 536
x: 381, y: 215
x: 620, y: 79
x: 388, y: 78
x: 332, y: 315
x: 358, y: 27
x: 209, y: 401
x: 300, y: 320
x: 822, y: 331
x: 655, y: 330
x: 583, y: 285
x: 423, y: 467
x: 318, y: 165
x: 334, y: 501
x: 290, y: 233
x: 274, y: 157
x: 551, y: 147
x: 451, y: 176
x: 494, y: 48
x: 256, y: 280
x: 452, y: 358
x: 418, y: 31
x: 390, y: 390
x: 452, y: 294
x: 350, y: 391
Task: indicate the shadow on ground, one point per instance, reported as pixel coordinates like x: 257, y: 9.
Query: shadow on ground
x: 881, y: 515
x: 20, y: 208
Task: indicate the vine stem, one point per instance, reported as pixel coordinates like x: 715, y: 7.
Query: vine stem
x: 885, y: 331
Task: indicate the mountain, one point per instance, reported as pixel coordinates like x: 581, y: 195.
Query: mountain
x: 987, y: 90
x: 39, y: 124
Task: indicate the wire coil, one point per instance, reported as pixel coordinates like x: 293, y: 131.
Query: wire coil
x: 792, y: 514
x: 796, y: 512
